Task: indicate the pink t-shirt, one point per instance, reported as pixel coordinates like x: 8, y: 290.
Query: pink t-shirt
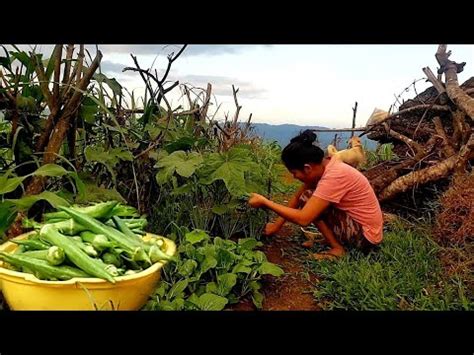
x: 349, y: 190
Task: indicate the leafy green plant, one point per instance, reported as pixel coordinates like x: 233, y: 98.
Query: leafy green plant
x: 212, y: 273
x: 384, y: 152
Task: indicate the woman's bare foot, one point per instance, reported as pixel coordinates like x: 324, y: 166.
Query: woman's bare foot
x: 329, y: 254
x: 308, y: 244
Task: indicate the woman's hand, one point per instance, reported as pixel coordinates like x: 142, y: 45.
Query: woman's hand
x: 271, y: 228
x: 257, y: 200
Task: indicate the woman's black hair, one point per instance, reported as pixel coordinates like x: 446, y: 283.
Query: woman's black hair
x: 301, y: 151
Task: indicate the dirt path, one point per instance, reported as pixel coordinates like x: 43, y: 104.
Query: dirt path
x: 291, y: 292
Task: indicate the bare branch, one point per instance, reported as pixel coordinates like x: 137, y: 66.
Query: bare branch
x: 447, y: 148
x: 43, y: 81
x: 450, y: 70
x: 58, y: 52
x: 237, y: 111
x: 354, y: 111
x: 436, y: 83
x: 67, y: 66
x: 409, y: 142
x: 171, y: 59
x: 205, y: 107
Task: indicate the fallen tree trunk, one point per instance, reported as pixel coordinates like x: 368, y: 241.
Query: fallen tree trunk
x: 432, y: 137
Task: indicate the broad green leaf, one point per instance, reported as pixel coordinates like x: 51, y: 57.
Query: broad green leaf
x: 211, y: 302
x: 196, y: 236
x: 233, y: 299
x: 270, y: 269
x: 26, y: 202
x: 224, y: 243
x: 182, y: 163
x: 50, y: 170
x: 9, y: 185
x: 25, y: 59
x: 259, y: 256
x: 154, y: 155
x: 161, y: 290
x: 111, y: 83
x: 166, y: 306
x: 99, y: 155
x: 115, y: 86
x: 247, y: 260
x: 108, y: 158
x: 5, y: 62
x: 241, y: 268
x: 50, y: 64
x: 94, y: 193
x: 178, y: 304
x: 26, y: 103
x: 225, y: 283
x: 229, y: 167
x: 153, y: 131
x: 211, y: 287
x: 178, y: 289
x: 122, y: 154
x: 194, y: 299
x: 249, y: 243
x: 183, y: 143
x: 88, y: 110
x: 208, y: 263
x: 225, y: 259
x: 257, y: 299
x: 34, y: 92
x: 255, y: 285
x: 207, y: 250
x: 187, y: 268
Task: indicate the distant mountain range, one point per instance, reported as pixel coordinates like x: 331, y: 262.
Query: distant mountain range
x: 284, y: 132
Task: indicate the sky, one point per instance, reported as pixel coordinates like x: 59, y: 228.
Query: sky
x: 298, y: 84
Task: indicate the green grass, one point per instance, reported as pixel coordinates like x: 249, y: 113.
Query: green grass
x: 403, y: 274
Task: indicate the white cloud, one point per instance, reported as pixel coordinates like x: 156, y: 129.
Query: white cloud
x: 222, y: 85
x: 165, y: 49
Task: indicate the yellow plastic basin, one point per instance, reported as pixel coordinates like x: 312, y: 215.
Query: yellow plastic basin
x: 24, y: 291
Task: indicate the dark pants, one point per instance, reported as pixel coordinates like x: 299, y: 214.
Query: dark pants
x: 347, y: 231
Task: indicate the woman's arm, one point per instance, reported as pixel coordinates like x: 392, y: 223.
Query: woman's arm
x: 294, y: 202
x: 312, y: 209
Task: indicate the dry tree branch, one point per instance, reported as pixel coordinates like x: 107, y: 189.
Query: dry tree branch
x: 58, y: 52
x: 237, y: 111
x: 450, y: 70
x: 447, y: 147
x: 438, y: 85
x: 409, y: 142
x: 423, y: 116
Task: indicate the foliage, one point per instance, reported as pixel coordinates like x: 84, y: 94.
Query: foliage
x: 384, y: 152
x: 212, y: 273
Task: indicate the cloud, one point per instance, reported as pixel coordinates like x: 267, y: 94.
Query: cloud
x: 107, y: 65
x: 222, y: 85
x: 162, y: 49
x: 113, y: 68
